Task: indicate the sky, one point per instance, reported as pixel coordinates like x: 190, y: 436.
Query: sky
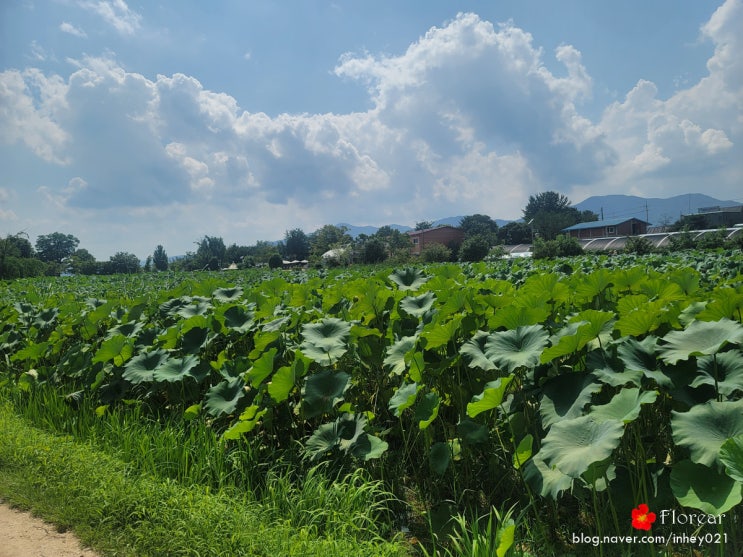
x: 132, y: 124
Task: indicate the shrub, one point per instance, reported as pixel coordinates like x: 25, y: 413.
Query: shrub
x: 638, y: 245
x: 562, y: 246
x: 474, y: 248
x: 436, y: 253
x: 275, y: 261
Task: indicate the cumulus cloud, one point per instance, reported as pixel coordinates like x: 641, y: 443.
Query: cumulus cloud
x: 468, y: 119
x: 696, y: 130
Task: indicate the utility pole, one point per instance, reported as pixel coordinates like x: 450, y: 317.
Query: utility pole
x: 602, y: 213
x: 647, y: 219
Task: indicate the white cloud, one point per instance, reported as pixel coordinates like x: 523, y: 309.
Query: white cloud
x: 467, y: 120
x: 116, y: 13
x: 70, y: 29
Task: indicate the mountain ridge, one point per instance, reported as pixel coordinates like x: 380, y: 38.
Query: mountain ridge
x: 655, y: 210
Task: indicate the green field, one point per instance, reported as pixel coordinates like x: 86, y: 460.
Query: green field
x: 502, y: 408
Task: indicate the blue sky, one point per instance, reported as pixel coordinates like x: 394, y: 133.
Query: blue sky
x: 132, y: 124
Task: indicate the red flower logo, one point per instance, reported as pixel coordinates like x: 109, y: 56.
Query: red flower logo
x: 642, y: 518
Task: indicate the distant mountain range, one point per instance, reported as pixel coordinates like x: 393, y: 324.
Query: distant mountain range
x: 652, y: 209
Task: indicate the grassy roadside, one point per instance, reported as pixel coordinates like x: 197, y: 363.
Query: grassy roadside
x: 117, y: 510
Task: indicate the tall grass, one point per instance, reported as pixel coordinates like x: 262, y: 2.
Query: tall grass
x: 312, y: 500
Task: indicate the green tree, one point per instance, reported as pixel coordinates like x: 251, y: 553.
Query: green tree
x: 82, y: 262
x: 480, y: 225
x: 160, y: 258
x: 275, y: 261
x: 549, y: 213
x: 374, y: 251
x: 122, y: 262
x: 423, y: 225
x: 328, y: 237
x: 474, y: 248
x: 236, y: 254
x: 515, y: 233
x: 296, y: 244
x: 210, y: 253
x: 55, y: 247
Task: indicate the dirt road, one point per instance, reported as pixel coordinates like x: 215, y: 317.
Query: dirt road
x: 22, y: 535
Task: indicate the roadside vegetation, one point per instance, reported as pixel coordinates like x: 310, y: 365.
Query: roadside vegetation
x: 435, y: 409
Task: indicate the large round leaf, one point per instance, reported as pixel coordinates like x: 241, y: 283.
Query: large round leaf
x: 326, y: 341
x: 731, y: 455
x: 573, y: 445
x: 176, y: 369
x: 516, y: 348
x: 703, y: 488
x: 624, y: 406
x: 395, y: 358
x: 700, y: 338
x: 141, y: 369
x: 228, y: 294
x: 723, y: 371
x: 409, y: 278
x: 705, y: 427
x: 474, y: 349
x: 417, y: 306
x: 323, y: 390
x: 546, y: 480
x: 565, y: 396
x: 237, y: 318
x: 223, y: 398
x: 490, y: 398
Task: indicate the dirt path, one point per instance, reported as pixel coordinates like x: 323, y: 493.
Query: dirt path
x: 22, y: 535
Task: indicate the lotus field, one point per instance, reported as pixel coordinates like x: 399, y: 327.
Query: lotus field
x: 563, y: 395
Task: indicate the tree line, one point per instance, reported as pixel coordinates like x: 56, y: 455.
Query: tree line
x: 543, y: 217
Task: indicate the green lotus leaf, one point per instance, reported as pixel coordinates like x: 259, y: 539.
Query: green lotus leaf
x: 141, y: 369
x: 516, y: 348
x: 282, y: 383
x: 427, y: 409
x: 368, y: 447
x: 228, y: 294
x: 624, y: 406
x: 222, y: 399
x: 599, y: 475
x: 731, y: 456
x: 701, y: 338
x: 347, y: 434
x: 565, y: 396
x: 248, y: 421
x: 474, y: 349
x: 609, y: 371
x: 193, y: 340
x: 515, y: 316
x: 439, y: 457
x: 196, y: 306
x: 117, y: 348
x: 546, y: 480
x: 523, y: 451
x: 323, y: 390
x: 237, y: 318
x: 490, y: 398
x: 130, y: 329
x: 176, y: 369
x: 417, y: 306
x: 705, y: 427
x: 408, y: 278
x: 403, y: 398
x: 573, y: 445
x: 701, y: 487
x: 438, y: 333
x: 472, y: 432
x: 396, y: 353
x: 262, y: 368
x: 723, y: 371
x: 641, y: 320
x: 326, y: 341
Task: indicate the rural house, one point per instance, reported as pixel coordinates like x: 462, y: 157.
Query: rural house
x: 607, y: 228
x: 447, y: 235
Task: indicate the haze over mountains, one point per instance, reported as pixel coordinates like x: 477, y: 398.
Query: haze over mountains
x: 654, y: 210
